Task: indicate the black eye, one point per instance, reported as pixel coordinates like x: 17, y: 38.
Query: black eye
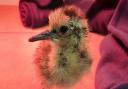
x: 63, y: 29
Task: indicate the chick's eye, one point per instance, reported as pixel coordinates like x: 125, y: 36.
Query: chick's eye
x: 63, y: 29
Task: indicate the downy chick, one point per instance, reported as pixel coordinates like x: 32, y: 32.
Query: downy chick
x: 68, y: 31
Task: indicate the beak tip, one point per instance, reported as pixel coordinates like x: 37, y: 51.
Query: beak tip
x: 30, y: 40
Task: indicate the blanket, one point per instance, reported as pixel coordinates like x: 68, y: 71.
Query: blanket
x: 112, y: 70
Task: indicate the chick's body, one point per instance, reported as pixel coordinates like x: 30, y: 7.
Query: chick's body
x: 64, y: 59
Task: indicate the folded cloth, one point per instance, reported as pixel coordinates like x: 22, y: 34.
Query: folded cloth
x: 35, y: 14
x: 112, y: 70
x: 99, y: 15
x: 100, y: 21
x: 118, y: 25
x: 32, y: 16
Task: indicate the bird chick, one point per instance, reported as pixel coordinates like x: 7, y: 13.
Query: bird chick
x: 70, y: 60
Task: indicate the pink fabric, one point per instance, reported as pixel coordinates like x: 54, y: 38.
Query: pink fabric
x: 112, y: 70
x: 100, y: 22
x: 99, y: 15
x: 34, y: 13
x: 32, y: 16
x: 118, y: 25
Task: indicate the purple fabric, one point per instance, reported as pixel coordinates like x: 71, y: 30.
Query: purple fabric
x: 100, y: 21
x: 43, y: 3
x: 34, y: 13
x: 108, y: 3
x: 112, y: 70
x: 118, y: 25
x: 32, y: 16
x: 99, y: 15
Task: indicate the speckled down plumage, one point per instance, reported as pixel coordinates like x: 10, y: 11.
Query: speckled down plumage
x: 63, y: 60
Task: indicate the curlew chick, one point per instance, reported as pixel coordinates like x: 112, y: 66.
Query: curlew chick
x: 68, y: 60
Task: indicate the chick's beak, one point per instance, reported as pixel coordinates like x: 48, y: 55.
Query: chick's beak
x: 42, y: 36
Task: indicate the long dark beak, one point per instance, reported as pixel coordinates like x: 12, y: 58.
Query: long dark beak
x: 41, y: 36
